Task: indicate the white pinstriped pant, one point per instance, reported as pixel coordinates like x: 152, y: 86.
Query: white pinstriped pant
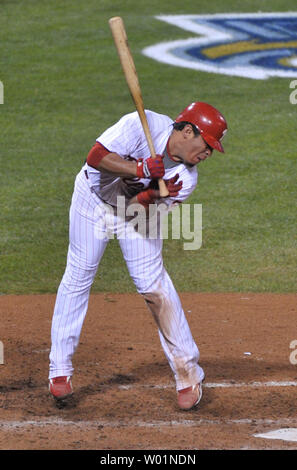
x: 143, y: 257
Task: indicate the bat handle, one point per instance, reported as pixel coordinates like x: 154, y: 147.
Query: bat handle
x: 163, y: 188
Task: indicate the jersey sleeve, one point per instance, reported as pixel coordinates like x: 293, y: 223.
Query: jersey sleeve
x: 123, y: 137
x: 95, y: 155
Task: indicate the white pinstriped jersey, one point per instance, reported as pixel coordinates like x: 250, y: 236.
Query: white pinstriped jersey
x: 127, y: 139
x: 90, y: 225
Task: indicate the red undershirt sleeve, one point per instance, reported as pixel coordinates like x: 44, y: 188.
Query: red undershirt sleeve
x: 95, y: 155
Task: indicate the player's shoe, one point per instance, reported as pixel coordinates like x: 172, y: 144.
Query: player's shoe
x: 189, y: 397
x: 60, y: 387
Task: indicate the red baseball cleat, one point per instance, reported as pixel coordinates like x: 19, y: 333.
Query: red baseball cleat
x: 189, y: 397
x: 60, y: 387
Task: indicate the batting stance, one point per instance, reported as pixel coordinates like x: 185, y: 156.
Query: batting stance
x: 119, y: 164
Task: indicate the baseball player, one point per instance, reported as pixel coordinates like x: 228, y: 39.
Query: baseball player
x: 119, y: 164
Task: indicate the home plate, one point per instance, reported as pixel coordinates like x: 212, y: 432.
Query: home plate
x: 286, y: 434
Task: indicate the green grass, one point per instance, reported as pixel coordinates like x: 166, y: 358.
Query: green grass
x: 63, y: 86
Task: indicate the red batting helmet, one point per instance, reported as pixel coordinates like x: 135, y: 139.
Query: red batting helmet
x: 208, y: 120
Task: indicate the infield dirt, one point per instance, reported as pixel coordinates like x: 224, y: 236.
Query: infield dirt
x: 124, y: 395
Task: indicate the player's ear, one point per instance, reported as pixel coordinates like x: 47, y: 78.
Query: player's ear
x: 188, y: 131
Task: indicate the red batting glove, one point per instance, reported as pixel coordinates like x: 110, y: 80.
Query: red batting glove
x: 147, y: 197
x: 150, y: 168
x: 150, y: 195
x: 173, y: 187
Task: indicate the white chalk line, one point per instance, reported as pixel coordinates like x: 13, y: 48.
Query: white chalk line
x: 218, y: 385
x: 99, y: 424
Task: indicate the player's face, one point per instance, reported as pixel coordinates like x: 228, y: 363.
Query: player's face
x: 195, y: 149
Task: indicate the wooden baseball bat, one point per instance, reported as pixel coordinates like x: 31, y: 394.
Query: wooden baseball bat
x: 121, y: 42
